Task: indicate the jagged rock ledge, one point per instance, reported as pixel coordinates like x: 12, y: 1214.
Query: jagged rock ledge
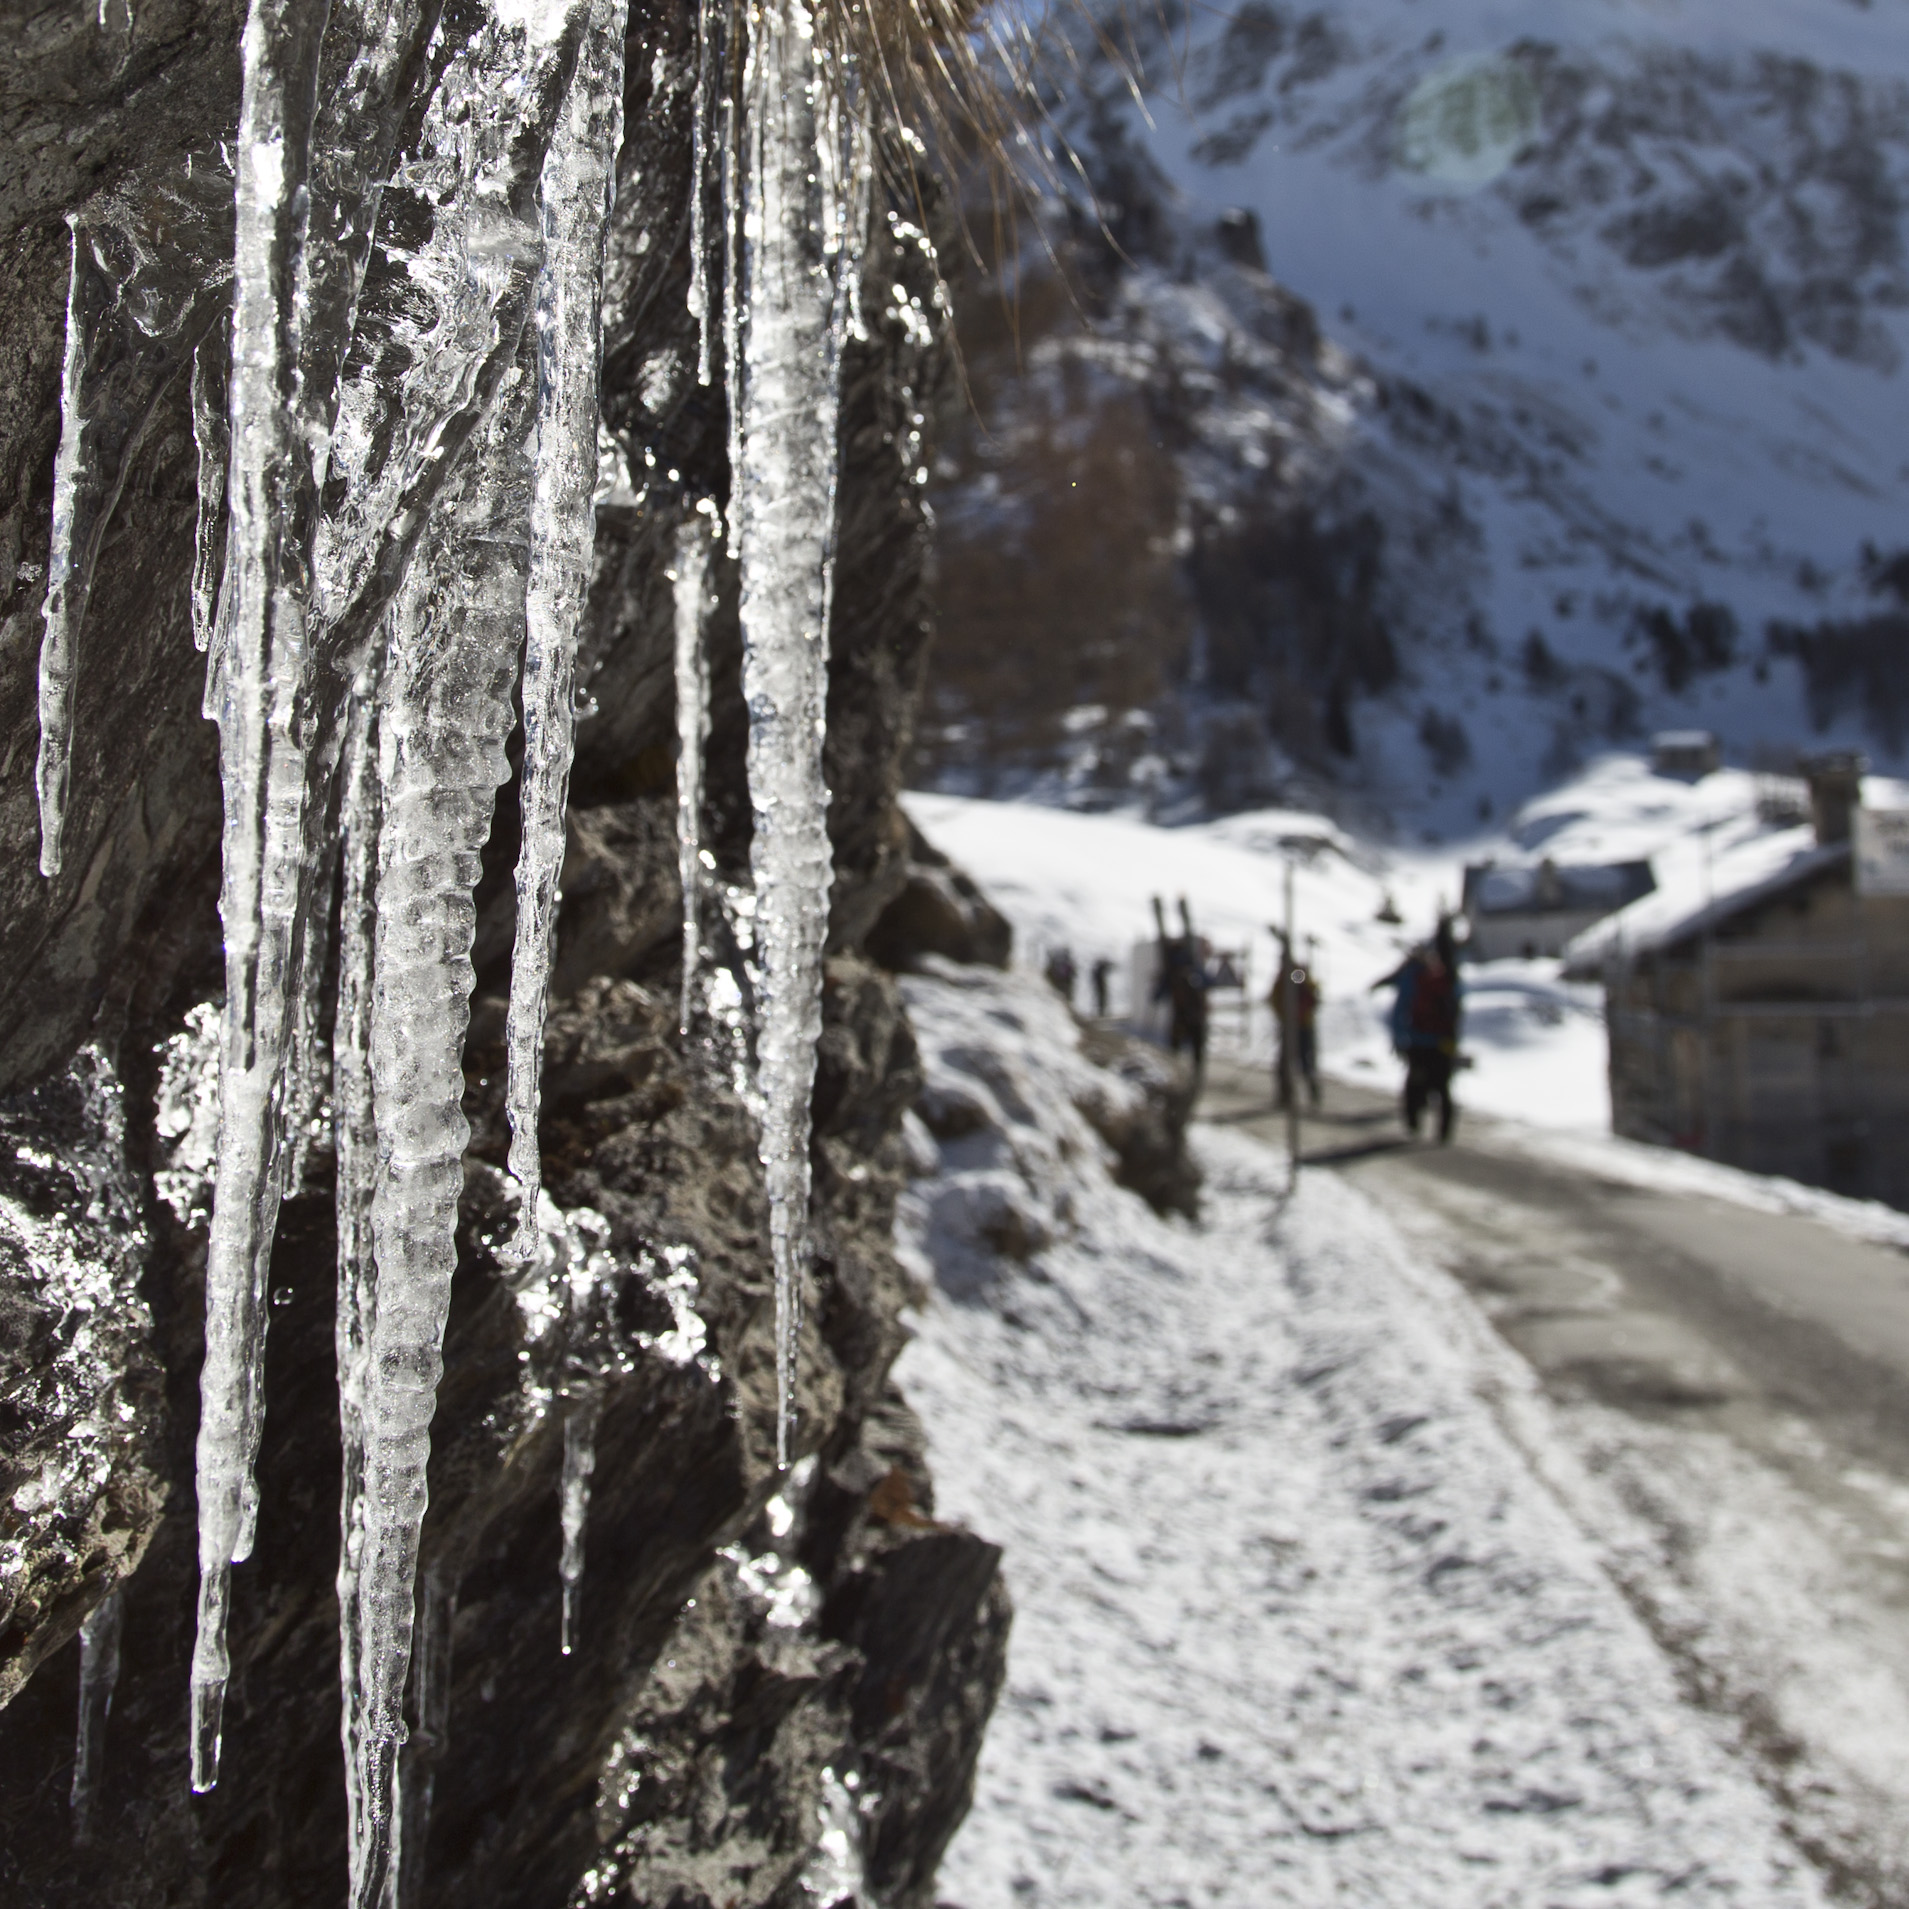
x: 779, y: 1685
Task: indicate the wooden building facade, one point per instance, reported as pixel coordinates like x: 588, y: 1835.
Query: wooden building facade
x: 1768, y: 1027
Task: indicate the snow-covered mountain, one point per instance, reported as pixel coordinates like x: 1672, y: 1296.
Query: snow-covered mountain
x: 1464, y: 386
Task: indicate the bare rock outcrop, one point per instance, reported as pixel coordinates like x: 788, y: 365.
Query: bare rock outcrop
x: 780, y: 1681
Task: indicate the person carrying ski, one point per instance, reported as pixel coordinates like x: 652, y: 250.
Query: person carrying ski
x: 1182, y: 983
x: 1425, y: 1019
x: 1297, y: 982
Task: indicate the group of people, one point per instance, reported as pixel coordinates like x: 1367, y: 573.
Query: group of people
x: 1424, y: 1020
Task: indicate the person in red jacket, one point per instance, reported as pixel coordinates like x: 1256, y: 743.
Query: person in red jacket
x: 1304, y: 1060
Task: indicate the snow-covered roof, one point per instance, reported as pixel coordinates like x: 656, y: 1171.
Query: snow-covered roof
x: 1738, y: 877
x: 1547, y: 887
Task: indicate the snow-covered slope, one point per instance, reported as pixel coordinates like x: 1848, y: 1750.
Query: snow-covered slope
x: 1296, y: 1622
x: 1605, y: 428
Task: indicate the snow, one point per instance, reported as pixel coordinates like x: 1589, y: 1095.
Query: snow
x: 1764, y: 865
x: 1296, y: 1619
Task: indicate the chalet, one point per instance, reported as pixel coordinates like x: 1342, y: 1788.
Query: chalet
x: 1535, y: 908
x: 1764, y: 1019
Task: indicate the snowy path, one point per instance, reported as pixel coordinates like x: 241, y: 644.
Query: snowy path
x: 1296, y: 1622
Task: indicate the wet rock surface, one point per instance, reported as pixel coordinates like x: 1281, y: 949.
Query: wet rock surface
x: 779, y: 1682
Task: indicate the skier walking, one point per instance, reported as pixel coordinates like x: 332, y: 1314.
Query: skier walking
x: 1296, y: 980
x: 1426, y: 1013
x: 1182, y: 984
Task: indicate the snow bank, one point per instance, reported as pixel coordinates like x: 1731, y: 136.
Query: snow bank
x: 1295, y: 1621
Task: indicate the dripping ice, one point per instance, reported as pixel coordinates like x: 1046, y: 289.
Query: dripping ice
x: 692, y: 735
x: 803, y: 166
x: 99, y: 1675
x: 579, y: 183
x: 367, y: 557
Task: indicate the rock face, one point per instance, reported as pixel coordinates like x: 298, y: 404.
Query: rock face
x: 940, y: 911
x: 779, y: 1684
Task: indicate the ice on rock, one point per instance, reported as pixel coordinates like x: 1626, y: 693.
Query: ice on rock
x: 699, y: 261
x: 99, y: 1675
x: 396, y: 480
x: 78, y: 508
x: 692, y: 733
x: 798, y: 197
x: 443, y: 716
x: 210, y: 441
x: 579, y: 182
x: 350, y: 422
x: 301, y: 236
x: 354, y: 1140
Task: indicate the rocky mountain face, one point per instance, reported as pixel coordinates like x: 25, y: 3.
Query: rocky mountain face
x: 779, y: 1681
x: 1400, y: 404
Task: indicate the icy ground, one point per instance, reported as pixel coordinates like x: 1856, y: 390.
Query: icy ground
x: 1296, y: 1622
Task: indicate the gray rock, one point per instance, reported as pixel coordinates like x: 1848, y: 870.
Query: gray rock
x: 939, y: 911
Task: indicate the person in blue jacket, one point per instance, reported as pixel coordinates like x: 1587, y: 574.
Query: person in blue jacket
x: 1426, y: 1014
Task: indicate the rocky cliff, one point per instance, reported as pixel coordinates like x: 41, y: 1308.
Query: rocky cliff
x: 779, y: 1682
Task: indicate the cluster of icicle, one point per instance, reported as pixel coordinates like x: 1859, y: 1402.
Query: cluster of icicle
x: 408, y: 529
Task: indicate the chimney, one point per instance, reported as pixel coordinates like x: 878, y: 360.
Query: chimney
x: 1836, y: 791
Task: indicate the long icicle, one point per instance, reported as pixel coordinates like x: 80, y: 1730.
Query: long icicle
x: 730, y: 68
x: 110, y: 392
x: 692, y: 737
x: 270, y: 498
x: 307, y: 196
x: 77, y: 484
x: 699, y: 191
x: 783, y: 498
x: 209, y: 439
x: 579, y: 182
x: 582, y: 1411
x: 444, y: 718
x: 355, y: 1140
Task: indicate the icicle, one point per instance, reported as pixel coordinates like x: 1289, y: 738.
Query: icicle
x: 699, y: 192
x: 306, y: 1068
x: 270, y: 497
x: 355, y: 1140
x: 443, y: 718
x: 579, y: 181
x: 77, y: 483
x: 305, y: 215
x: 692, y: 735
x: 424, y: 1750
x: 209, y: 438
x: 99, y: 1674
x: 732, y: 174
x: 582, y: 1409
x: 782, y: 502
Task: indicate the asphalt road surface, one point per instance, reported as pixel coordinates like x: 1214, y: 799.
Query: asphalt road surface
x: 1726, y: 1413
